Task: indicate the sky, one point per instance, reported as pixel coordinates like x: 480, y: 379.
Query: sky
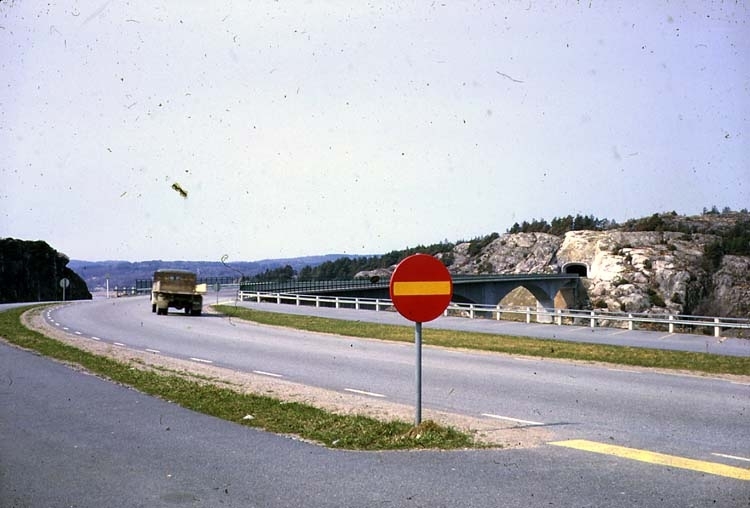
x: 269, y: 129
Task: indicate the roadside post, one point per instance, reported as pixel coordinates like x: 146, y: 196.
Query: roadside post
x: 217, y: 287
x: 421, y: 289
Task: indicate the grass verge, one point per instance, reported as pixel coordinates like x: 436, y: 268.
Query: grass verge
x: 547, y: 348
x: 339, y: 431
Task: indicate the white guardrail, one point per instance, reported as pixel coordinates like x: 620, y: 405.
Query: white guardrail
x: 592, y: 318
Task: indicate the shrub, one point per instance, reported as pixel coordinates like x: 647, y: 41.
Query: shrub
x: 655, y: 299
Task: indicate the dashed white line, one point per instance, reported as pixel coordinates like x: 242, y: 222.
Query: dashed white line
x: 619, y: 333
x: 362, y: 392
x: 66, y: 328
x: 626, y: 370
x: 509, y: 419
x: 734, y: 457
x: 155, y: 351
x: 95, y: 338
x: 78, y: 333
x: 264, y: 373
x: 57, y: 324
x: 200, y: 360
x: 119, y: 344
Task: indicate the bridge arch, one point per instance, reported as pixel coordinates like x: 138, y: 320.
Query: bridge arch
x: 580, y: 269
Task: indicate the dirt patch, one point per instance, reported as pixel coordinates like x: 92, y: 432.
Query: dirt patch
x: 488, y: 431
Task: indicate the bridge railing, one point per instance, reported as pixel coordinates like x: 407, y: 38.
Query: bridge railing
x: 591, y: 318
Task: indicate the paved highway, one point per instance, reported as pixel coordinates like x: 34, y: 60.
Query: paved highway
x: 600, y: 335
x: 644, y: 413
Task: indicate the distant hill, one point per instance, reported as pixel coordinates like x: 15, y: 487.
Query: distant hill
x: 125, y: 273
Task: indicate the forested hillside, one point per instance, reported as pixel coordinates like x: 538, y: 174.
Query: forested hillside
x: 32, y: 271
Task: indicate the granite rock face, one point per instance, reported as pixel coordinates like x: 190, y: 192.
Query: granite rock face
x: 625, y: 271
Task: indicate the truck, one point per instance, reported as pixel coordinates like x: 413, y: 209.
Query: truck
x: 178, y: 289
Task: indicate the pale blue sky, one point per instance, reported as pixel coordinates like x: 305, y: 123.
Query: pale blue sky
x: 302, y: 128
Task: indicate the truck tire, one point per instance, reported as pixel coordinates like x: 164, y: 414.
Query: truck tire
x: 153, y: 307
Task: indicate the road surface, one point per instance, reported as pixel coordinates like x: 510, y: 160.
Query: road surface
x: 699, y: 422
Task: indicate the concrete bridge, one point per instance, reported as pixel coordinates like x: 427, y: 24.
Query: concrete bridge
x: 481, y: 289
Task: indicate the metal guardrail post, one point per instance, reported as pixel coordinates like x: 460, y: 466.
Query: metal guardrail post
x: 717, y: 328
x: 671, y: 324
x: 593, y: 319
x: 559, y: 317
x: 528, y: 314
x: 630, y: 322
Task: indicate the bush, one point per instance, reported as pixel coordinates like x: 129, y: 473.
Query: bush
x: 655, y: 298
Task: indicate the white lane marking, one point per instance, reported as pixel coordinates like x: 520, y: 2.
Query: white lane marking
x: 95, y: 338
x: 362, y: 392
x: 66, y: 328
x: 734, y: 457
x: 155, y: 351
x: 119, y: 344
x: 738, y: 383
x: 200, y: 360
x: 57, y: 324
x: 665, y: 336
x: 264, y: 373
x: 523, y: 359
x: 509, y: 419
x: 619, y: 333
x: 626, y: 370
x: 79, y: 333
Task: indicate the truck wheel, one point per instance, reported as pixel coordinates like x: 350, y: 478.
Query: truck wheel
x: 153, y: 307
x: 187, y: 311
x: 196, y: 312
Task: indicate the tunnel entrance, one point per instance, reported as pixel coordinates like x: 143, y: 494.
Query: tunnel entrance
x: 580, y: 269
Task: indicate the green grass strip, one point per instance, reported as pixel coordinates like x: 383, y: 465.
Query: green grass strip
x: 547, y: 348
x: 339, y: 431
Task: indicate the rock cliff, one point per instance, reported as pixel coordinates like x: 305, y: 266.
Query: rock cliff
x: 667, y: 270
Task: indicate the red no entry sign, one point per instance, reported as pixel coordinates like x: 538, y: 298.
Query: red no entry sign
x: 421, y: 288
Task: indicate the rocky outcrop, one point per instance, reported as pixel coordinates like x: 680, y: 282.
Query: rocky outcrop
x: 510, y: 253
x: 731, y: 289
x: 31, y: 272
x: 624, y: 269
x: 639, y: 271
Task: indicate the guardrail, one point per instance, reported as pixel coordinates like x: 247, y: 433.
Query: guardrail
x: 592, y: 318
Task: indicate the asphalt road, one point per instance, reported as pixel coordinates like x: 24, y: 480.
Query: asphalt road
x: 600, y: 335
x: 71, y: 439
x: 696, y: 418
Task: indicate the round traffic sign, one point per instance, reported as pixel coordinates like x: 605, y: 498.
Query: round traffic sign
x: 64, y: 282
x: 421, y: 288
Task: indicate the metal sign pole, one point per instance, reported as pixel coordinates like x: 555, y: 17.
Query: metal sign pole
x: 418, y: 344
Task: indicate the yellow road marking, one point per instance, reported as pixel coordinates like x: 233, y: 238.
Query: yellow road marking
x: 424, y: 288
x: 661, y: 459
